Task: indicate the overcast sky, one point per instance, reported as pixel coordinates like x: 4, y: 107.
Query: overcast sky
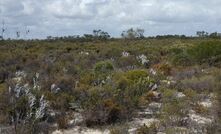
x: 71, y: 17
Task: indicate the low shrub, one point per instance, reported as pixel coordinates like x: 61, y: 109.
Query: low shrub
x: 200, y: 109
x: 119, y: 130
x: 127, y: 63
x: 182, y: 59
x: 103, y: 67
x: 60, y: 101
x: 199, y: 84
x: 102, y: 70
x: 205, y: 51
x: 190, y: 93
x: 122, y: 82
x: 176, y: 130
x: 106, y: 113
x: 164, y: 68
x: 62, y: 122
x: 135, y: 75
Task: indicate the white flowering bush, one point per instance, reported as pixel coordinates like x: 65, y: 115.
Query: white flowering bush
x: 26, y: 106
x: 125, y: 54
x: 143, y: 59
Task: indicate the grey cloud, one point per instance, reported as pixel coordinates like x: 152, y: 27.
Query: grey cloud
x: 63, y: 17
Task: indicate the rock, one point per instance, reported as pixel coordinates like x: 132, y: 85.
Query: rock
x: 82, y: 130
x: 160, y: 133
x: 52, y: 115
x: 181, y: 130
x: 55, y: 88
x: 76, y: 107
x: 192, y: 111
x: 77, y: 119
x: 20, y: 74
x: 169, y: 82
x: 155, y: 105
x: 132, y: 130
x: 84, y: 53
x: 154, y: 87
x: 65, y: 70
x: 197, y: 119
x: 153, y: 72
x: 17, y: 79
x: 146, y: 113
x: 6, y: 129
x: 206, y: 103
x: 141, y: 121
x: 57, y: 132
x: 152, y: 109
x: 212, y: 96
x: 180, y: 95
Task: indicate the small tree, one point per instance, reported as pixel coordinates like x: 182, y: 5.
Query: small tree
x: 215, y: 35
x: 3, y: 30
x: 99, y: 34
x: 132, y: 34
x: 202, y: 34
x: 140, y: 33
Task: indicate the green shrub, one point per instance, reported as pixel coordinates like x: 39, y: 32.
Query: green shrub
x: 176, y: 50
x: 200, y: 109
x: 87, y: 78
x: 190, y: 93
x: 164, y: 68
x: 135, y: 75
x: 173, y: 112
x: 177, y: 130
x: 206, y: 50
x: 127, y: 62
x: 60, y: 101
x: 199, y: 84
x: 103, y: 67
x: 182, y: 59
x: 122, y: 82
x: 106, y: 112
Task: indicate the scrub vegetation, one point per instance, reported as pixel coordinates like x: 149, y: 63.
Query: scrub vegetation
x: 130, y: 85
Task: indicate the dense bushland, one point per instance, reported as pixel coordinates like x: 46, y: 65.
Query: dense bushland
x: 106, y: 81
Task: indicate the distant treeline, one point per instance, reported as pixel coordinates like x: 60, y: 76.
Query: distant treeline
x: 127, y: 34
x: 132, y: 34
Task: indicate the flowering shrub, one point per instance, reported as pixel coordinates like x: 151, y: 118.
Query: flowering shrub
x: 143, y: 59
x: 26, y: 107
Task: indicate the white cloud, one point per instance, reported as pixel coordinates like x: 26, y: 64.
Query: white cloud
x: 63, y: 17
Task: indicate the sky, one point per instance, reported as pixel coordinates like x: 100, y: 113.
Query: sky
x: 77, y: 17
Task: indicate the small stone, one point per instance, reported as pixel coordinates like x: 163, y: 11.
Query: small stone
x: 132, y: 130
x: 160, y: 133
x: 155, y: 105
x: 207, y: 103
x: 199, y: 119
x: 54, y: 88
x: 180, y: 95
x: 145, y: 121
x: 57, y: 132
x: 154, y: 87
x: 153, y: 72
